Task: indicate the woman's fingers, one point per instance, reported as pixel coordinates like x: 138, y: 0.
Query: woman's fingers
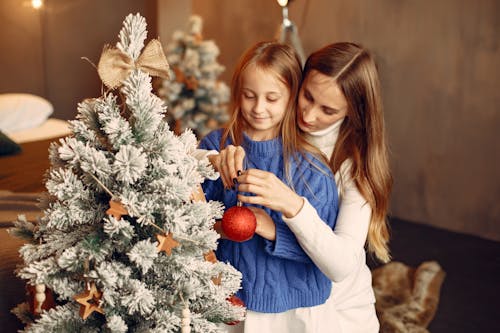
x: 235, y: 156
x: 214, y: 159
x: 256, y: 177
x: 253, y: 200
x: 216, y: 162
x: 260, y: 183
x: 269, y: 191
x: 223, y: 169
x: 231, y: 161
x: 239, y: 158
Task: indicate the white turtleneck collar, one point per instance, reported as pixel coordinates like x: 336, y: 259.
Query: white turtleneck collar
x: 325, y: 139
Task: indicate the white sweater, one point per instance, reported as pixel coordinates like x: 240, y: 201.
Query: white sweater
x: 340, y: 253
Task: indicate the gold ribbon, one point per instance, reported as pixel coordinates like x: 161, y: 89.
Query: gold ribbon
x: 115, y: 66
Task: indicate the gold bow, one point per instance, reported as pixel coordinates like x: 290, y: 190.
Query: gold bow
x: 115, y: 66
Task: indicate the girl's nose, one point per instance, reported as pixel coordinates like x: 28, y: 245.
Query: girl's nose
x: 260, y: 104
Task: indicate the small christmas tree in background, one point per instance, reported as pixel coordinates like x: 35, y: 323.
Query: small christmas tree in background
x: 126, y: 242
x: 195, y: 97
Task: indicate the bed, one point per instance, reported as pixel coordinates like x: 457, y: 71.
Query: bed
x: 24, y: 171
x: 26, y: 123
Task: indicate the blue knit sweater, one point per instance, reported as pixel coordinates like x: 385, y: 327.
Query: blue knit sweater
x: 277, y: 275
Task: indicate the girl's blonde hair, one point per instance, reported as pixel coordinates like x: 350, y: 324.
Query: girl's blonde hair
x: 282, y: 60
x: 362, y: 135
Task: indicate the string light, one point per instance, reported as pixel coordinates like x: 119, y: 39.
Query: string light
x: 37, y: 4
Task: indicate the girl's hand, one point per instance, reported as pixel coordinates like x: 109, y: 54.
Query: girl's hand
x: 218, y: 228
x: 228, y: 162
x: 269, y: 192
x: 265, y: 224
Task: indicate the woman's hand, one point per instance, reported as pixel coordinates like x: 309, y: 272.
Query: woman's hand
x: 228, y: 162
x: 265, y: 224
x: 269, y: 192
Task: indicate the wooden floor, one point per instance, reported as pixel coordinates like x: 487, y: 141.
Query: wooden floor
x: 13, y: 288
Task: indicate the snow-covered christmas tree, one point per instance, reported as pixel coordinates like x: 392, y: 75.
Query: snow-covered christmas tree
x: 196, y: 98
x: 126, y: 241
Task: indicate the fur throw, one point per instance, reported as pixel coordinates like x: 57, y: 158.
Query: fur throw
x: 407, y: 298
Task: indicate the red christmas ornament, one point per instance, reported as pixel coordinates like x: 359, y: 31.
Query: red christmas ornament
x: 239, y: 223
x: 235, y: 300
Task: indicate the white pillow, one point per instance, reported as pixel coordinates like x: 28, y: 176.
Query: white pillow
x: 23, y: 111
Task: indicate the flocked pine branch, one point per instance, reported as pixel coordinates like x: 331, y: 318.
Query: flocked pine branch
x: 132, y: 35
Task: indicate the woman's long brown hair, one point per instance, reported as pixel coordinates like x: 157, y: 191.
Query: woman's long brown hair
x: 362, y: 137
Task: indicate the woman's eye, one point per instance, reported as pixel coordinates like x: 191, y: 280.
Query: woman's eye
x: 308, y: 96
x: 272, y: 99
x: 329, y: 112
x: 248, y: 96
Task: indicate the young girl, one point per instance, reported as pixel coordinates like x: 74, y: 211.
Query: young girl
x: 340, y: 109
x: 280, y: 282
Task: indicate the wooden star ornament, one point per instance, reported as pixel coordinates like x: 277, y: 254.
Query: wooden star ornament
x: 166, y: 243
x: 198, y: 195
x: 217, y: 280
x: 116, y: 209
x: 89, y: 301
x: 210, y: 257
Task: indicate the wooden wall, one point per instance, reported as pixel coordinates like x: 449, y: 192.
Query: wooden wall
x: 21, y: 58
x: 42, y: 49
x: 440, y: 67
